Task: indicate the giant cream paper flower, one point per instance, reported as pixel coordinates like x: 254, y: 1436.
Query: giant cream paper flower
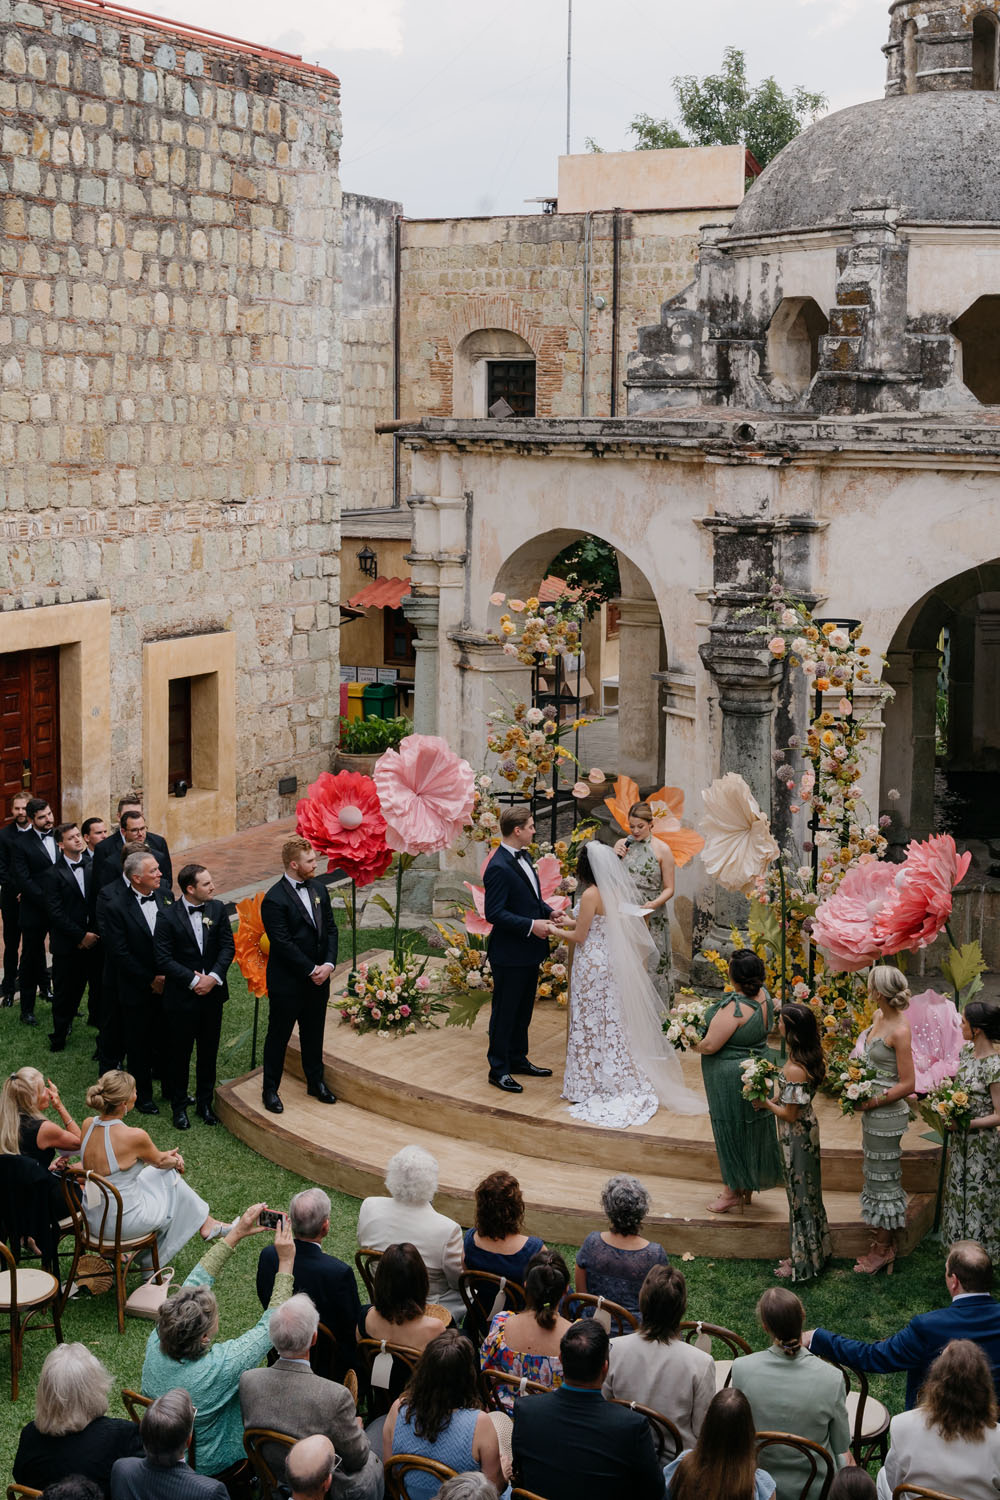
x: 426, y: 792
x: 739, y: 845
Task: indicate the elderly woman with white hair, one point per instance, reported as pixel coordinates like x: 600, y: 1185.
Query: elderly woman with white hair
x: 72, y: 1432
x: 407, y: 1215
x: 469, y: 1486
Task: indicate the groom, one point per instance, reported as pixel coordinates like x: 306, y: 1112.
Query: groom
x: 517, y: 945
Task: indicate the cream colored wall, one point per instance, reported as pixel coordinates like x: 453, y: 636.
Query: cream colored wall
x: 690, y: 177
x: 362, y: 641
x: 208, y: 811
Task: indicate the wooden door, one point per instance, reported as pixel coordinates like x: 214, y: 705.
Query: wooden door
x: 29, y: 725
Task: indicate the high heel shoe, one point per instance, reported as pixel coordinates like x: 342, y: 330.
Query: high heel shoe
x: 727, y: 1200
x: 879, y: 1256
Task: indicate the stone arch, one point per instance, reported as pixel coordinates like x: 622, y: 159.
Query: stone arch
x: 473, y: 355
x: 984, y: 50
x: 500, y: 314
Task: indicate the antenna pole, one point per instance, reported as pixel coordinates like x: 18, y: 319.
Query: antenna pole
x: 569, y: 67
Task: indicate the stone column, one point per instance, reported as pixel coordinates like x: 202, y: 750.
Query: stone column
x: 961, y: 681
x: 638, y: 690
x: 908, y: 754
x: 422, y: 611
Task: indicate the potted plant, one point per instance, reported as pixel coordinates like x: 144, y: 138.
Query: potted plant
x: 362, y: 741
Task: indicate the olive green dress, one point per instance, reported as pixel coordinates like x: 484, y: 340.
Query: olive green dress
x: 745, y: 1138
x: 798, y: 1141
x: 883, y: 1202
x: 644, y: 867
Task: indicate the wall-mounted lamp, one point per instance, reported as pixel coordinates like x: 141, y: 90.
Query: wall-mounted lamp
x: 368, y: 562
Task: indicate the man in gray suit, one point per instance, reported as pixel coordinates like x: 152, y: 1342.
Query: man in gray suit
x: 163, y: 1474
x: 289, y: 1398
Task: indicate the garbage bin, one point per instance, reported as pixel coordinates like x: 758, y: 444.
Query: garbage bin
x: 380, y: 700
x: 355, y: 701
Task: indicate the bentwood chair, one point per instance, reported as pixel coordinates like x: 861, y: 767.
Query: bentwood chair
x: 401, y: 1465
x: 817, y: 1457
x: 667, y: 1440
x: 21, y: 1492
x: 868, y: 1417
x: 705, y: 1336
x: 24, y: 1293
x: 518, y: 1385
x: 106, y: 1241
x: 484, y: 1295
x: 255, y: 1440
x: 622, y: 1321
x: 404, y: 1362
x: 365, y: 1260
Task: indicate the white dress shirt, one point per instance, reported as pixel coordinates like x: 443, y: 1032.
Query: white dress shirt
x: 49, y: 845
x: 148, y: 908
x: 301, y: 890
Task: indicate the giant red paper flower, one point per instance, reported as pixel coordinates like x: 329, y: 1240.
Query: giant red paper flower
x: 844, y: 925
x: 920, y: 904
x: 667, y: 807
x: 341, y: 818
x: 426, y: 792
x: 549, y: 872
x: 252, y: 944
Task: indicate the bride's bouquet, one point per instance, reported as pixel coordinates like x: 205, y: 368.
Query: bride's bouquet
x: 684, y: 1024
x: 758, y: 1075
x: 858, y: 1083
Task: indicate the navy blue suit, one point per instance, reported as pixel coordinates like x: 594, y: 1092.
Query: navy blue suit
x: 913, y: 1348
x: 511, y: 904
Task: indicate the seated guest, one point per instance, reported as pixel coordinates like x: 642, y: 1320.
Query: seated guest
x: 723, y: 1463
x: 407, y: 1215
x: 655, y: 1367
x: 852, y: 1484
x: 309, y: 1467
x: 73, y: 1487
x: 163, y: 1474
x: 398, y: 1313
x: 440, y: 1415
x: 497, y: 1243
x: 527, y: 1343
x: 790, y: 1390
x: 289, y: 1398
x: 613, y: 1262
x: 25, y: 1128
x: 974, y: 1314
x: 951, y: 1436
x: 328, y: 1281
x: 182, y: 1351
x: 471, y: 1486
x: 573, y: 1443
x: 72, y: 1432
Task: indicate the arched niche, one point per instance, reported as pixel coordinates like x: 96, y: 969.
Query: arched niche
x: 793, y: 339
x: 984, y: 51
x: 978, y: 334
x: 475, y: 354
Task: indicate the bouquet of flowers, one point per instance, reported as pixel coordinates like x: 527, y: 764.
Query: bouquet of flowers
x: 757, y: 1073
x: 948, y: 1107
x: 684, y: 1023
x: 857, y: 1083
x: 392, y: 999
x: 466, y: 965
x: 553, y: 978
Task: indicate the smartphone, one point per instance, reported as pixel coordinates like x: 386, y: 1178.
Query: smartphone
x: 270, y: 1218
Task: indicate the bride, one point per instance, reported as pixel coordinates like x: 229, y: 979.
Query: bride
x: 619, y: 1066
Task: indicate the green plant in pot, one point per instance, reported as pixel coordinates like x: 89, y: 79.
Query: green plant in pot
x: 362, y: 741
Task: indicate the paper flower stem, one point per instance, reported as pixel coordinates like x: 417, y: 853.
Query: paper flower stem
x: 354, y: 924
x: 253, y: 1039
x: 399, y: 905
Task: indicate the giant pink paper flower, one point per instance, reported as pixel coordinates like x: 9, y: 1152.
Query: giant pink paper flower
x: 426, y: 792
x: 844, y: 924
x: 921, y: 902
x: 341, y: 818
x: 549, y: 872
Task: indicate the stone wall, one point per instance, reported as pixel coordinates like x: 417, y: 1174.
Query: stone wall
x: 170, y: 364
x: 368, y: 274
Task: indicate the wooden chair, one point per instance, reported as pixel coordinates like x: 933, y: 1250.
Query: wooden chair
x: 378, y: 1398
x: 705, y: 1335
x: 525, y: 1495
x: 518, y: 1385
x: 24, y: 1293
x: 254, y: 1440
x: 135, y: 1405
x: 351, y: 1385
x: 365, y: 1262
x: 106, y: 1241
x: 667, y: 1440
x: 816, y: 1456
x: 868, y: 1417
x: 914, y: 1492
x: 21, y: 1492
x: 400, y: 1465
x: 482, y: 1291
x: 622, y: 1321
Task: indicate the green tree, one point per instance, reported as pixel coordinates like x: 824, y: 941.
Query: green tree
x: 590, y: 565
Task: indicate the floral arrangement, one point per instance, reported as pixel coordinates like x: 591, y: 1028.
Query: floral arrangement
x: 948, y: 1107
x: 548, y: 630
x: 391, y: 1000
x: 553, y: 977
x: 667, y: 807
x: 757, y: 1074
x: 466, y: 965
x: 527, y: 744
x: 856, y: 1083
x: 684, y: 1024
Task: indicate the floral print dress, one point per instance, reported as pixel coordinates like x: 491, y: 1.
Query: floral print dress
x: 972, y: 1188
x: 495, y: 1355
x: 798, y: 1142
x: 644, y: 867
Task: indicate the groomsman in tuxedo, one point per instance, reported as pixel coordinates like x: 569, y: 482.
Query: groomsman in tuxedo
x: 131, y: 832
x: 193, y: 944
x: 10, y: 906
x: 298, y: 920
x: 94, y: 831
x: 34, y: 856
x: 74, y: 942
x: 127, y: 913
x: 517, y: 946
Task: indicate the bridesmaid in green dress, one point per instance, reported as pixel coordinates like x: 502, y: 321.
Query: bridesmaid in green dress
x: 888, y: 1049
x: 745, y: 1139
x: 973, y: 1185
x: 798, y: 1139
x: 651, y: 865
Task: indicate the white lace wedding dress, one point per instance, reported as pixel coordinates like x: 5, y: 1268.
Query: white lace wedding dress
x: 603, y: 1078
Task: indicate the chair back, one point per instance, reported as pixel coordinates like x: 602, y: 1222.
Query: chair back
x: 869, y: 1418
x: 705, y: 1336
x: 401, y: 1465
x: 16, y: 1491
x: 816, y: 1456
x: 518, y: 1385
x: 404, y: 1362
x: 107, y: 1238
x: 255, y: 1440
x: 622, y: 1321
x: 351, y: 1385
x: 365, y: 1261
x: 24, y: 1294
x: 667, y: 1440
x: 485, y: 1294
x: 135, y: 1405
x: 905, y: 1491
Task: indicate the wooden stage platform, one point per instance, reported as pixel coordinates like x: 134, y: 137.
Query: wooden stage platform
x: 431, y: 1089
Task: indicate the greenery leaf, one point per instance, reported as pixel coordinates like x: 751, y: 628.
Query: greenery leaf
x: 377, y: 899
x: 963, y: 967
x: 466, y: 1008
x: 765, y: 924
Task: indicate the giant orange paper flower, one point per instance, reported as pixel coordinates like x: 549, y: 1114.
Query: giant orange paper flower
x: 341, y: 817
x: 252, y: 945
x: 426, y: 792
x: 667, y: 806
x: 920, y: 903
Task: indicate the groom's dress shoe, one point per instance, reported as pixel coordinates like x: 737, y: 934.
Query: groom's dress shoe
x: 528, y: 1070
x: 322, y: 1093
x: 272, y: 1103
x: 505, y: 1082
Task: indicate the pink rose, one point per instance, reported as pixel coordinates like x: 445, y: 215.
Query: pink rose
x: 404, y: 1010
x: 423, y: 983
x: 497, y: 598
x: 776, y: 645
x: 376, y: 1013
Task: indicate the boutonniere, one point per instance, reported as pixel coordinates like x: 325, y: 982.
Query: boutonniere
x: 315, y: 901
x: 168, y: 900
x: 206, y: 921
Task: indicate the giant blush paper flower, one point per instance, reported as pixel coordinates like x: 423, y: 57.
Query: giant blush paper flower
x: 426, y: 792
x: 252, y: 945
x: 844, y: 925
x: 739, y: 845
x: 341, y: 817
x: 920, y: 904
x: 549, y: 873
x: 667, y: 807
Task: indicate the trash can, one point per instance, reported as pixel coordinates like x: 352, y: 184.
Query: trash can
x: 355, y: 701
x: 380, y: 700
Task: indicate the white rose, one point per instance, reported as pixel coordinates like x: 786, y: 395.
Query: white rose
x: 789, y: 618
x: 534, y: 716
x: 474, y: 979
x: 839, y: 638
x: 853, y: 1091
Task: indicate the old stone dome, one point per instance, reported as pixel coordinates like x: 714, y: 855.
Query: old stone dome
x: 933, y: 156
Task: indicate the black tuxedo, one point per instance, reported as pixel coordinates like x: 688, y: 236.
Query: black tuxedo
x: 298, y: 945
x: 10, y: 907
x: 135, y: 1013
x: 574, y: 1443
x: 71, y: 916
x: 30, y: 865
x: 192, y: 1018
x: 512, y: 903
x: 108, y: 859
x: 331, y: 1285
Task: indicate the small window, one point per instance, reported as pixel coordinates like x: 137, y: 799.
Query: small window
x: 978, y: 334
x: 514, y: 381
x: 984, y: 52
x: 793, y: 342
x: 398, y: 640
x: 179, y: 731
x: 613, y: 626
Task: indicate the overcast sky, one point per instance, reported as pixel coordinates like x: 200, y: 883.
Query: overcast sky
x: 455, y: 108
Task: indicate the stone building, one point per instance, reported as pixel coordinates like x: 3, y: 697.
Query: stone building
x: 818, y: 405
x: 170, y: 411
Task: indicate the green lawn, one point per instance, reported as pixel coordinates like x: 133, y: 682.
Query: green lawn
x: 229, y: 1175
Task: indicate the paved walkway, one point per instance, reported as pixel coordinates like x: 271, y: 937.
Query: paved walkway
x: 245, y: 862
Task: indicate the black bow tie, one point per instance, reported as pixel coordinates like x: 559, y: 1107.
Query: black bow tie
x: 144, y: 899
x: 75, y: 864
x: 522, y: 854
x: 198, y: 909
x: 301, y: 885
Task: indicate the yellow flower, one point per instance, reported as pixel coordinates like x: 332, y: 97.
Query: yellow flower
x: 960, y: 1099
x: 829, y: 628
x: 544, y: 990
x: 507, y: 627
x: 828, y: 737
x: 531, y: 604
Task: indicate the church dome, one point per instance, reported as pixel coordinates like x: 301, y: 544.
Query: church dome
x: 930, y: 155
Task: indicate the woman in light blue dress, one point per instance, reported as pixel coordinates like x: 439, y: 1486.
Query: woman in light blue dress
x: 440, y: 1415
x: 723, y: 1463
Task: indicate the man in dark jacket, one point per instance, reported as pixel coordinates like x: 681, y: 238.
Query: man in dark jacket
x: 33, y: 858
x: 131, y: 832
x: 127, y: 913
x: 77, y: 959
x: 10, y: 906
